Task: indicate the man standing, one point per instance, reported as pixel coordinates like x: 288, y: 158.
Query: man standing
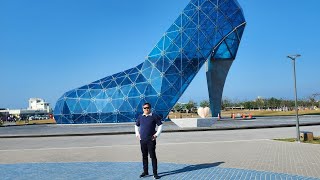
x: 147, y: 136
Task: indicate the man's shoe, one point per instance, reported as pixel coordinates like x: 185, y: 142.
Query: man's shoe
x: 144, y: 174
x: 156, y: 176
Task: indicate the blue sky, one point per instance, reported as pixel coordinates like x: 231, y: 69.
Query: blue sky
x: 50, y: 47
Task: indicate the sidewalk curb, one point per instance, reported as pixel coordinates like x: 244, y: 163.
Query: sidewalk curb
x: 165, y: 131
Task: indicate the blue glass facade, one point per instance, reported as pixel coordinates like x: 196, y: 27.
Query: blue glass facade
x: 206, y: 29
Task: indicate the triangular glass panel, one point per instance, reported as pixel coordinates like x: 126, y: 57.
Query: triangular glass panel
x: 94, y: 93
x: 170, y: 92
x: 134, y: 70
x: 126, y: 81
x: 190, y: 6
x: 117, y: 103
x: 161, y: 105
x: 223, y: 52
x: 185, y: 61
x: 106, y: 83
x: 185, y: 39
x: 177, y: 63
x: 178, y: 41
x: 172, y: 35
x: 57, y: 109
x: 147, y: 64
x: 84, y: 87
x: 146, y: 73
x: 141, y: 87
x: 118, y: 95
x: 177, y: 84
x: 166, y: 65
x: 129, y: 71
x: 159, y: 64
x: 134, y: 92
x: 155, y: 74
x: 112, y: 84
x: 133, y: 77
x: 125, y: 107
x: 178, y: 21
x: 172, y: 48
x: 172, y: 70
x: 172, y: 77
x: 173, y: 27
x: 120, y: 74
x: 139, y: 67
x: 92, y: 108
x: 102, y: 95
x: 106, y: 78
x: 100, y: 104
x: 126, y: 89
x: 119, y: 80
x: 167, y: 42
x: 150, y: 91
x: 96, y: 86
x: 65, y: 109
x: 72, y: 94
x: 108, y: 108
x: 240, y: 31
x: 85, y: 103
x: 105, y: 117
x: 155, y: 51
x: 110, y: 92
x: 123, y: 118
x: 160, y: 43
x: 156, y: 84
x: 134, y: 102
x: 141, y: 78
x: 77, y: 109
x: 165, y: 84
x: 172, y: 55
x: 86, y: 95
x: 71, y: 104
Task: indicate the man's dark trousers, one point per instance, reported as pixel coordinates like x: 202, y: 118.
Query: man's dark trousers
x: 149, y: 146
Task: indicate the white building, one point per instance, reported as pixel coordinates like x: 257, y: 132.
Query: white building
x: 38, y: 104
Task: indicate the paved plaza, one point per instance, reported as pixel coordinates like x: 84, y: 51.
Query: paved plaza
x: 223, y: 154
x: 127, y: 128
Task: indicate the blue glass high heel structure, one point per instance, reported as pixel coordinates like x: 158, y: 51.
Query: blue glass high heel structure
x: 206, y: 30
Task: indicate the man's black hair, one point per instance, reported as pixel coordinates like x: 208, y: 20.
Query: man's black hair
x: 147, y: 104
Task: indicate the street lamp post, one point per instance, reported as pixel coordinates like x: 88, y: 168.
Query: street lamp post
x: 293, y: 58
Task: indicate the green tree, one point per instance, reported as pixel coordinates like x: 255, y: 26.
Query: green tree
x: 248, y: 105
x: 204, y: 103
x: 177, y: 107
x: 260, y: 102
x: 226, y: 103
x: 312, y: 100
x: 191, y: 106
x: 273, y: 102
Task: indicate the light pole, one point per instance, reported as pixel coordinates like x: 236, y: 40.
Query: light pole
x: 293, y: 58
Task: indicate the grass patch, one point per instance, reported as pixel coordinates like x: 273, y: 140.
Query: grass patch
x: 256, y: 113
x: 316, y: 140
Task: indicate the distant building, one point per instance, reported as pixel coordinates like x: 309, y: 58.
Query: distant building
x: 38, y: 104
x: 38, y: 109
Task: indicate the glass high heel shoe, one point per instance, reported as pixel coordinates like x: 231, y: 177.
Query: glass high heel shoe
x: 206, y: 30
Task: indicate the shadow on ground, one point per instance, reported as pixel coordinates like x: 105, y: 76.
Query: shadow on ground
x: 190, y: 168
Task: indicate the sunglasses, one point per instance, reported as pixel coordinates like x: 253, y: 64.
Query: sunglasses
x: 146, y: 107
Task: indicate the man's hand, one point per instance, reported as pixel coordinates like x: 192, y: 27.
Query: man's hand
x: 154, y: 137
x: 138, y: 136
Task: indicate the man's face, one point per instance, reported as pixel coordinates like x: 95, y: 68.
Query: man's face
x: 146, y: 109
